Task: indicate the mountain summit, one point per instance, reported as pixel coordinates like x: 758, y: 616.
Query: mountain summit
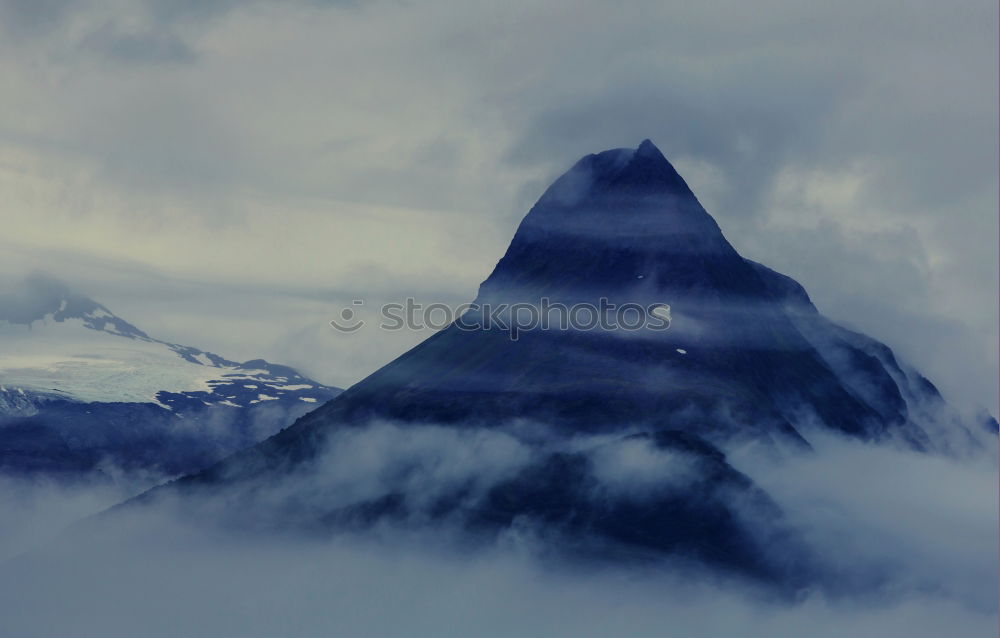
x: 747, y: 357
x: 641, y: 170
x: 40, y: 296
x: 621, y: 223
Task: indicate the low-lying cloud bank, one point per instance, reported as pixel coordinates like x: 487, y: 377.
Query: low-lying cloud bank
x: 33, y: 511
x: 922, y: 528
x: 922, y: 522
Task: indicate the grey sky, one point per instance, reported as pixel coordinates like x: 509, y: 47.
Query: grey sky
x: 228, y: 174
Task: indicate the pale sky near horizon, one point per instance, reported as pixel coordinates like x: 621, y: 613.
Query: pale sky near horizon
x: 229, y: 174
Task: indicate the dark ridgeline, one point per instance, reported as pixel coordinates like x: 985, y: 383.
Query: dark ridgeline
x: 757, y: 361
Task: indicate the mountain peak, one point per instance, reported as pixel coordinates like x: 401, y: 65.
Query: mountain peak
x: 646, y: 148
x: 39, y: 296
x: 617, y: 217
x: 650, y: 171
x: 643, y: 171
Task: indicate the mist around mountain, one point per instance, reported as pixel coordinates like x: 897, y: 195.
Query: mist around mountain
x: 603, y: 447
x: 753, y: 470
x: 608, y: 445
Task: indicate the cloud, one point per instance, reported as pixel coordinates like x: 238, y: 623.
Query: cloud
x: 639, y: 469
x: 36, y: 510
x: 34, y: 16
x: 230, y: 175
x: 283, y: 144
x: 204, y: 586
x: 919, y: 522
x: 906, y: 531
x: 140, y: 47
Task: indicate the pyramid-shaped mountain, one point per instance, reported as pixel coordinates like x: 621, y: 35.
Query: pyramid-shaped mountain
x: 746, y: 353
x: 746, y: 356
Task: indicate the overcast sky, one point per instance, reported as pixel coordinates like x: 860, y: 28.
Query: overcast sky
x: 228, y: 174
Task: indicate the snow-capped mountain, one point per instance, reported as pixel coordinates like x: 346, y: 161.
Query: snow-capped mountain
x: 82, y: 388
x: 613, y: 442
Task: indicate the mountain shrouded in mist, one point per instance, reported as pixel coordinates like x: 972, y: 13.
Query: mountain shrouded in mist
x: 599, y: 442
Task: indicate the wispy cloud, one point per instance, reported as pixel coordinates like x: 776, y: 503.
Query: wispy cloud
x: 905, y: 536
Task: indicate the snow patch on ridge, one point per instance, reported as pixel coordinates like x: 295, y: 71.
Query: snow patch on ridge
x: 90, y: 365
x: 83, y: 364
